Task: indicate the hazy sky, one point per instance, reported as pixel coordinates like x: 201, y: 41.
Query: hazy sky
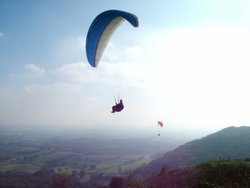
x: 188, y: 65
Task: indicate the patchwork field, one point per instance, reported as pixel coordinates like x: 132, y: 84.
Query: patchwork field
x: 86, y: 157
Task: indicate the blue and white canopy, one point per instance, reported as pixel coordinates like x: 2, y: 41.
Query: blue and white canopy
x: 101, y: 31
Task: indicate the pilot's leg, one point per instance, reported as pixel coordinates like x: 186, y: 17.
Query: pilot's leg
x: 113, y: 109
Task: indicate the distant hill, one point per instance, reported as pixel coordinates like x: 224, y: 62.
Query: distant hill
x: 229, y: 143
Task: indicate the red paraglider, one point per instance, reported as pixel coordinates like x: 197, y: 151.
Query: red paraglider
x: 160, y: 124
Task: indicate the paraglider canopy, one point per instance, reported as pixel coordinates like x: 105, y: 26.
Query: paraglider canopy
x: 101, y: 31
x: 160, y: 123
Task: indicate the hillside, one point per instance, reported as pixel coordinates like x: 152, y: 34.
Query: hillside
x: 229, y: 143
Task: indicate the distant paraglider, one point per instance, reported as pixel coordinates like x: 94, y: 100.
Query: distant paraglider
x: 101, y: 30
x: 160, y: 124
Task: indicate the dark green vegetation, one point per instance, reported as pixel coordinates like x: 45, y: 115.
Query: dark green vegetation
x: 212, y: 174
x: 87, y: 159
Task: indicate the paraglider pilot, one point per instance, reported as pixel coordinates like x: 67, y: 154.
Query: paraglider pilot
x: 118, y: 107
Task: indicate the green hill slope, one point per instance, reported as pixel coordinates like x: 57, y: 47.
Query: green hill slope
x: 229, y: 143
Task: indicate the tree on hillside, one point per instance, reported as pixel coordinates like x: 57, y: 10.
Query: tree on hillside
x: 116, y: 182
x: 61, y: 181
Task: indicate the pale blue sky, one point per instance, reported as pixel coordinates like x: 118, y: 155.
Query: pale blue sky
x: 187, y: 65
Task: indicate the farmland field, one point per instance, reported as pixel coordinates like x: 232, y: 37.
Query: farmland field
x: 85, y: 157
